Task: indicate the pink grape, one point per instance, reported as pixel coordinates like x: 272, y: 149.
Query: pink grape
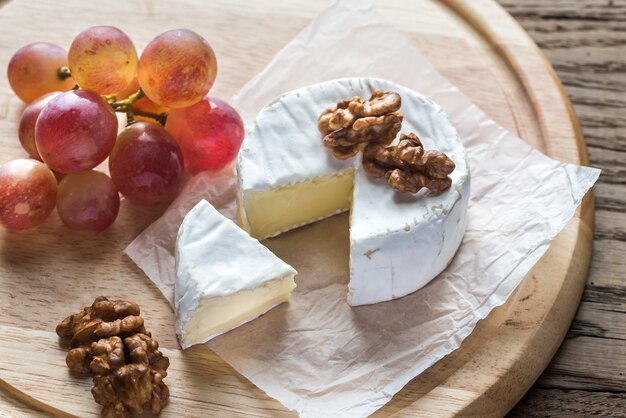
x: 26, y: 130
x: 75, y: 131
x: 146, y: 164
x: 34, y: 71
x: 209, y: 133
x: 103, y: 59
x: 177, y: 68
x: 28, y: 192
x: 88, y: 201
x: 132, y: 88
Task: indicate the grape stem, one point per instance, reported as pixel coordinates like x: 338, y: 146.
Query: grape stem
x: 126, y: 106
x: 131, y: 112
x: 129, y: 101
x: 64, y: 73
x: 130, y: 117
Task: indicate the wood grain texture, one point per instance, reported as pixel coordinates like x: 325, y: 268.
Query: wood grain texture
x: 189, y: 375
x: 13, y: 407
x: 542, y: 403
x: 47, y: 273
x: 586, y: 43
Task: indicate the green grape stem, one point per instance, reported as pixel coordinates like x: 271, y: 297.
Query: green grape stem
x: 129, y: 101
x: 126, y: 106
x: 122, y: 106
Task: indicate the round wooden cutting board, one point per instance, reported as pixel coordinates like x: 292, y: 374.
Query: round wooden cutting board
x: 50, y: 272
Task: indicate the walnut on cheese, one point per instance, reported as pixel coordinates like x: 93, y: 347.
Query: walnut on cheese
x: 371, y: 126
x: 354, y: 122
x: 407, y: 167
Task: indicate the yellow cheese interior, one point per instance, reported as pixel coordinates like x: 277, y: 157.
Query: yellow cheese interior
x: 269, y: 213
x: 218, y: 315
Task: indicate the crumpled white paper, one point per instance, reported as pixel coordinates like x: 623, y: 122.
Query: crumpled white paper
x: 318, y: 356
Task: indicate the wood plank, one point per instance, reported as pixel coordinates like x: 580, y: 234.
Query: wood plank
x: 610, y: 225
x: 611, y: 162
x: 551, y: 403
x: 608, y: 263
x: 596, y: 319
x: 610, y: 196
x: 612, y: 298
x: 586, y: 44
x: 594, y: 10
x: 588, y: 363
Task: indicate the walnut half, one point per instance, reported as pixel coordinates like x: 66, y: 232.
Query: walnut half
x: 407, y: 166
x: 372, y: 125
x: 109, y: 340
x: 126, y: 386
x: 354, y: 122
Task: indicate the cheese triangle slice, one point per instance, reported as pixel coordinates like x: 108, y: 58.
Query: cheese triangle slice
x: 224, y: 277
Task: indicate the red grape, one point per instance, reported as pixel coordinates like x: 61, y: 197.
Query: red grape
x: 75, y: 131
x: 28, y: 192
x: 146, y: 164
x: 26, y: 131
x: 34, y: 71
x: 177, y: 68
x: 209, y: 133
x: 88, y: 201
x: 103, y: 59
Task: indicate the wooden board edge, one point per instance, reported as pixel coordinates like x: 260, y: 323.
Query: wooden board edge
x: 510, y: 49
x: 521, y: 342
x: 11, y: 390
x: 526, y: 366
x: 19, y: 408
x: 528, y: 363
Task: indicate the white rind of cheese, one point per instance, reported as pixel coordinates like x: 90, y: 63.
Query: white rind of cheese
x: 282, y: 150
x: 386, y: 264
x: 399, y: 241
x: 283, y: 146
x: 224, y: 277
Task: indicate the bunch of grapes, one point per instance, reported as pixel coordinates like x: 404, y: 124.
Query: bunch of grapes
x: 70, y: 126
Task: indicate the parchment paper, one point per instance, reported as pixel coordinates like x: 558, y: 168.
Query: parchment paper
x: 317, y: 355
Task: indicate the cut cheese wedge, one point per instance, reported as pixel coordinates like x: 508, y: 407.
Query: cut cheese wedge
x: 287, y: 178
x: 224, y: 277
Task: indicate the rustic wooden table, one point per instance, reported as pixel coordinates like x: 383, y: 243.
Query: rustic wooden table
x: 585, y: 40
